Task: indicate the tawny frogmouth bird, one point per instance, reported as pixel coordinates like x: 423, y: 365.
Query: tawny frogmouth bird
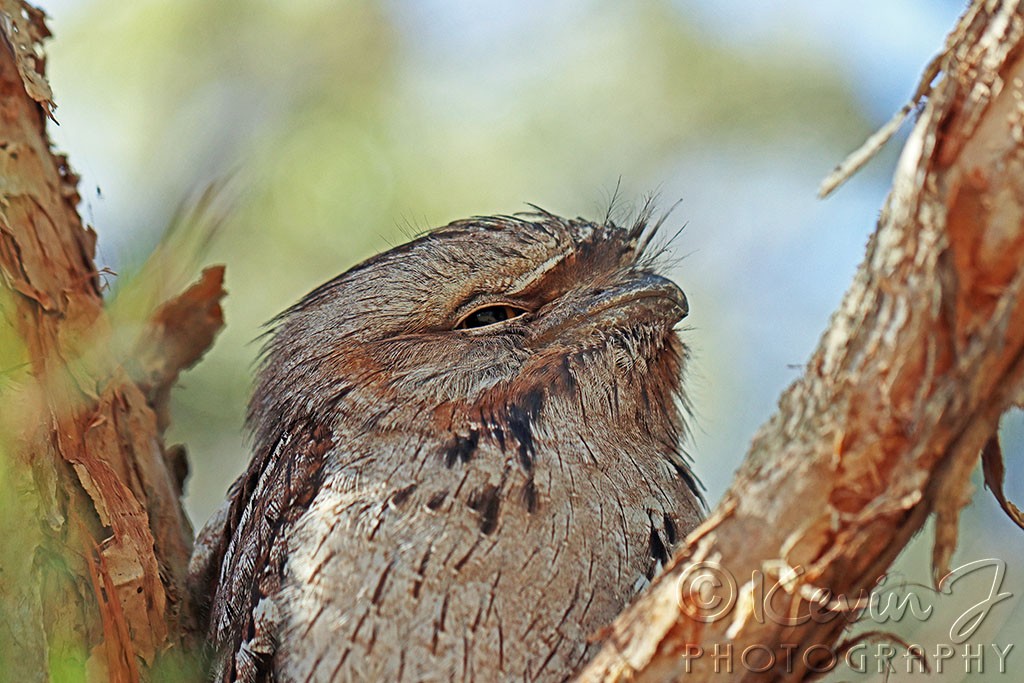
x: 466, y: 461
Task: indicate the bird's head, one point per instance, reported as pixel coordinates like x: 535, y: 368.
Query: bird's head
x: 482, y: 312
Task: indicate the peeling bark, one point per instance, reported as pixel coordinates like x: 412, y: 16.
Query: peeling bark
x: 95, y: 542
x: 905, y: 389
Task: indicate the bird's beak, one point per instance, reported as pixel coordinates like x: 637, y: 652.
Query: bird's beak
x: 635, y: 300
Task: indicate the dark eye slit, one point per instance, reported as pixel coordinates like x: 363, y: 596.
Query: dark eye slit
x: 489, y: 315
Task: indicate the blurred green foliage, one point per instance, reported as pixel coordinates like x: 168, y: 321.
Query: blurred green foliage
x: 18, y: 507
x: 34, y: 576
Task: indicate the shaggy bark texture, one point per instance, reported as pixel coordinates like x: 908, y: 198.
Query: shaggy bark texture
x: 93, y: 540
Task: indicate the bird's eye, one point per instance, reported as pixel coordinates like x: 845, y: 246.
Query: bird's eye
x: 489, y: 315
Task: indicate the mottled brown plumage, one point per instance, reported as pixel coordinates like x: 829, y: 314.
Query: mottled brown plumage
x: 466, y: 461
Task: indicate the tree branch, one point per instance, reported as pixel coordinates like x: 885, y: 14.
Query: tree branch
x: 94, y: 542
x: 883, y: 430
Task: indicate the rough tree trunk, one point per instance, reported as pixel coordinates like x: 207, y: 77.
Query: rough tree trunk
x: 908, y: 384
x: 93, y: 540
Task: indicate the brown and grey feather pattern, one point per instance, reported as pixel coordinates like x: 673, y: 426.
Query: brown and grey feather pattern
x: 466, y: 461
